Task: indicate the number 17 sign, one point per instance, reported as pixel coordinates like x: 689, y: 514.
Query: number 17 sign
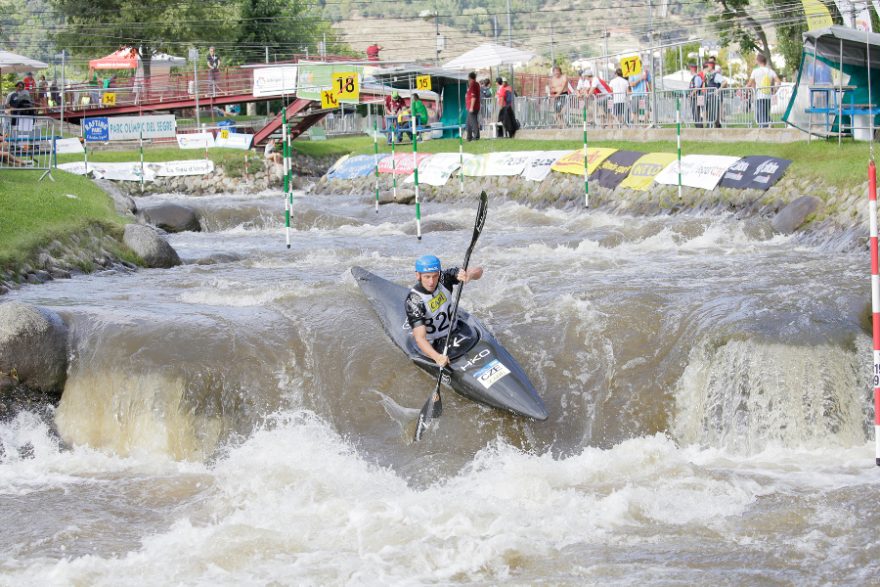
x: 631, y: 65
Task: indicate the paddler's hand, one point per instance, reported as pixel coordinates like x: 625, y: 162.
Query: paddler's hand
x: 441, y: 360
x: 463, y: 276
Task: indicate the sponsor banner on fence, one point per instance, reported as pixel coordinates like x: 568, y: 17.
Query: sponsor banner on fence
x: 177, y: 168
x: 615, y: 168
x: 352, y: 167
x: 274, y: 81
x: 233, y: 140
x: 476, y: 165
x: 643, y: 172
x: 120, y: 171
x: 121, y: 128
x: 403, y: 163
x: 76, y: 168
x: 68, y: 146
x: 509, y: 163
x: 538, y: 167
x: 574, y: 161
x: 757, y: 172
x: 697, y: 171
x: 195, y: 140
x: 436, y: 170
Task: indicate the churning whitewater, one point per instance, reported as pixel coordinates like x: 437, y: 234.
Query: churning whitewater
x: 243, y: 418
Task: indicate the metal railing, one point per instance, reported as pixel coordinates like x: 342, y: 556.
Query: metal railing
x: 27, y: 142
x: 703, y: 108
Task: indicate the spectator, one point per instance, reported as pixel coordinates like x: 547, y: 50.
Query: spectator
x: 601, y: 92
x: 271, y: 153
x: 393, y: 106
x: 30, y: 83
x: 472, y: 104
x: 54, y: 94
x: 620, y: 88
x: 213, y: 70
x: 373, y: 52
x: 15, y: 98
x: 42, y: 92
x: 715, y: 82
x: 418, y: 110
x: 640, y: 86
x: 486, y: 88
x: 765, y: 81
x: 697, y: 95
x: 559, y: 89
x: 506, y: 116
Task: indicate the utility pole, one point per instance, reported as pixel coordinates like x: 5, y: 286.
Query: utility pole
x: 437, y: 40
x: 194, y: 57
x: 552, y: 47
x: 509, y: 35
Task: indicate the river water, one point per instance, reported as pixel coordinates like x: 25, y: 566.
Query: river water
x: 248, y: 421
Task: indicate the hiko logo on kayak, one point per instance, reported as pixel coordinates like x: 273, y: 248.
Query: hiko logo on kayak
x: 491, y: 373
x: 475, y: 359
x: 436, y: 302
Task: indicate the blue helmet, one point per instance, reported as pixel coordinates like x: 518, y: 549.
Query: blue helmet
x: 427, y: 264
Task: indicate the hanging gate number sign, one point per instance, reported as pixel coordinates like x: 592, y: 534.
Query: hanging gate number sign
x: 344, y: 86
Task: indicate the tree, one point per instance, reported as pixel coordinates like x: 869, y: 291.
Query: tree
x: 735, y: 25
x: 101, y: 26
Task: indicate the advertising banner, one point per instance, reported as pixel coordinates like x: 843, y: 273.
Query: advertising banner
x: 436, y: 170
x: 538, y: 167
x: 643, y: 172
x: 233, y: 140
x: 476, y: 165
x: 68, y: 146
x: 125, y: 128
x: 311, y: 79
x: 573, y: 162
x: 507, y: 163
x: 697, y: 171
x: 120, y: 171
x: 756, y: 172
x: 615, y: 168
x: 195, y: 140
x: 178, y: 168
x: 352, y: 167
x: 403, y: 163
x: 275, y: 81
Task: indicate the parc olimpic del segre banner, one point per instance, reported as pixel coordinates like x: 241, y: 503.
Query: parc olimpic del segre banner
x: 609, y: 168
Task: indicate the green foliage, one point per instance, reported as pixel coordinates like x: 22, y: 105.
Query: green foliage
x: 671, y: 56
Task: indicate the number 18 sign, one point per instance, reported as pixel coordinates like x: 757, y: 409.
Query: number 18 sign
x: 345, y: 85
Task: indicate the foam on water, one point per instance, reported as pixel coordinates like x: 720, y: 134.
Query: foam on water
x: 296, y: 503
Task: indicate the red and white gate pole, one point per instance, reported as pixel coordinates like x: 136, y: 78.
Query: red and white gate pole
x: 875, y: 302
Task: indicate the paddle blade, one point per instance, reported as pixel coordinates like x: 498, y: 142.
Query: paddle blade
x: 482, y: 211
x: 432, y: 409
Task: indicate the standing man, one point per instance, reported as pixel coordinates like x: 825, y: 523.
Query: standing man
x: 429, y: 304
x: 472, y: 104
x: 640, y: 86
x: 373, y: 52
x: 620, y: 87
x: 764, y: 80
x: 559, y: 88
x: 506, y: 117
x: 697, y: 95
x: 213, y: 69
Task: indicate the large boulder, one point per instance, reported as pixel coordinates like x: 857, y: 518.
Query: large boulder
x: 150, y: 246
x: 172, y: 217
x: 33, y: 343
x: 124, y: 203
x: 790, y: 218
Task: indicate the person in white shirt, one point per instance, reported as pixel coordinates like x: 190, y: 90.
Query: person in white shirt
x: 620, y: 88
x: 765, y: 81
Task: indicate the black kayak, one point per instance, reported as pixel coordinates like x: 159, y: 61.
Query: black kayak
x: 481, y: 370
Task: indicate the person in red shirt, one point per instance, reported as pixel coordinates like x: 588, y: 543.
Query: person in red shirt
x: 472, y: 103
x: 373, y: 52
x: 393, y: 105
x: 30, y: 84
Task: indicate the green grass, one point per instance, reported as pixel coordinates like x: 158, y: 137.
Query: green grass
x: 34, y: 213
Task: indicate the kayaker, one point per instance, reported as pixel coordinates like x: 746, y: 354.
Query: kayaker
x: 429, y: 304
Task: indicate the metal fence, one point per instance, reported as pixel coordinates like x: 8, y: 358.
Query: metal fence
x: 704, y: 108
x: 27, y: 142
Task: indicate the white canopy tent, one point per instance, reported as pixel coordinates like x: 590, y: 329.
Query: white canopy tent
x: 13, y: 63
x: 490, y: 55
x: 679, y: 80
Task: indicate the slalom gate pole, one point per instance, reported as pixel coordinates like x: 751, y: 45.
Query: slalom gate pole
x: 460, y: 162
x: 247, y: 173
x: 82, y: 133
x: 376, y: 159
x: 142, y: 160
x: 204, y: 132
x: 875, y: 302
x: 415, y: 142
x: 678, y: 139
x: 289, y: 170
x: 285, y: 177
x: 393, y: 171
x: 586, y: 166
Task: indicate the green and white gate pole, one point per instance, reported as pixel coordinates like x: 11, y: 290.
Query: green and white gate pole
x: 415, y: 142
x: 460, y: 161
x: 285, y: 177
x: 586, y: 167
x: 289, y: 170
x: 376, y: 159
x: 393, y: 169
x: 82, y: 133
x: 142, y: 160
x: 678, y: 139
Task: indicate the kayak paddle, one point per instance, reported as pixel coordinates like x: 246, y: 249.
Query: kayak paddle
x: 433, y: 407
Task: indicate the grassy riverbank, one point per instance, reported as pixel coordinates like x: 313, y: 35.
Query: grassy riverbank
x: 34, y: 213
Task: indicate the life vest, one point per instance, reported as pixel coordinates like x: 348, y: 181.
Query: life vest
x: 438, y: 310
